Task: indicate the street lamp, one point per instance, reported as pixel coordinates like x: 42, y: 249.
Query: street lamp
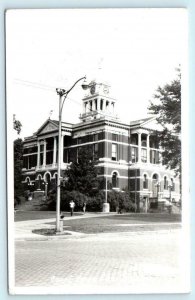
x: 46, y: 190
x: 158, y: 186
x: 170, y: 189
x: 62, y: 93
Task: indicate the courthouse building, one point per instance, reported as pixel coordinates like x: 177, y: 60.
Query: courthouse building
x: 127, y: 154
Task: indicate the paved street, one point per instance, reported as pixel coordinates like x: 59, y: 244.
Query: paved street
x: 101, y: 263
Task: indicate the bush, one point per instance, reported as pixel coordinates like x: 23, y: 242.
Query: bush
x: 120, y: 201
x: 94, y: 203
x: 78, y: 198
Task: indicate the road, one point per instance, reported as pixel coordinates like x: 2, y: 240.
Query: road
x: 101, y: 263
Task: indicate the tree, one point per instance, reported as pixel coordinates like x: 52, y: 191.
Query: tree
x: 82, y: 174
x: 17, y: 124
x: 18, y: 162
x: 168, y: 110
x: 82, y: 185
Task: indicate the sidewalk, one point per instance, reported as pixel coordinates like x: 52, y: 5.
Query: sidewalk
x: 23, y: 229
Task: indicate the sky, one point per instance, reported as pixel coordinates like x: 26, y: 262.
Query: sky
x: 134, y: 50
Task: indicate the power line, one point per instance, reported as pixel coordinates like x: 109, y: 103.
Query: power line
x: 49, y: 88
x: 33, y: 84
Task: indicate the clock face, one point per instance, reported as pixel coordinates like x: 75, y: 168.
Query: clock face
x: 92, y: 90
x: 106, y: 90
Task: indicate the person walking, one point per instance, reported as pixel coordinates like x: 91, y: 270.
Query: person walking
x: 72, y: 205
x: 84, y: 207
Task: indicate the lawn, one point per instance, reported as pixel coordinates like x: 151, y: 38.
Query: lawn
x: 36, y: 215
x: 112, y: 223
x: 123, y: 223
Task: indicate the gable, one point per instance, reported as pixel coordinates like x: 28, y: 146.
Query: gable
x: 152, y: 124
x: 49, y: 127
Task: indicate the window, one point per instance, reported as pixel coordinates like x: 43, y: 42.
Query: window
x: 154, y: 157
x: 79, y: 140
x: 41, y: 154
x: 32, y: 161
x: 95, y: 104
x: 50, y: 143
x: 30, y: 150
x: 41, y: 159
x: 39, y: 182
x: 114, y: 151
x: 115, y: 180
x: 133, y: 141
x: 134, y: 154
x: 95, y: 151
x: 101, y: 104
x: 90, y: 103
x: 145, y: 182
x: 49, y: 157
x: 65, y: 156
x: 144, y: 155
x: 165, y: 183
x: 114, y: 137
x: 173, y: 185
x: 95, y: 137
x: 25, y: 162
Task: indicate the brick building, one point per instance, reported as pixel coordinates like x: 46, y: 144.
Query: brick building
x: 127, y: 154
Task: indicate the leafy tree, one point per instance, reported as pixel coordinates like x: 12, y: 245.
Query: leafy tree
x: 82, y: 185
x: 18, y: 161
x: 82, y: 174
x: 167, y: 107
x: 17, y: 124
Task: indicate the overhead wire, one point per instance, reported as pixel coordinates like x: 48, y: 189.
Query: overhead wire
x: 49, y: 88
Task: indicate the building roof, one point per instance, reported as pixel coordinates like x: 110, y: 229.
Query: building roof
x: 140, y: 121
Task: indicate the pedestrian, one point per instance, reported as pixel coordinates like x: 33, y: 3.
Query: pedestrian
x: 72, y: 205
x: 84, y: 207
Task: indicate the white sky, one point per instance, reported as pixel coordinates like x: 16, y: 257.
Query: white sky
x: 135, y: 50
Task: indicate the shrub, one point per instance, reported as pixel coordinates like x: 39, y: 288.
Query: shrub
x: 120, y: 201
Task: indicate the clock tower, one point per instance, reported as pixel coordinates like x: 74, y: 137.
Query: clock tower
x: 98, y: 103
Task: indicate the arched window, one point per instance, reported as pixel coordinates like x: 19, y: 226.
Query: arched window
x: 114, y: 180
x: 172, y: 185
x: 155, y: 177
x: 48, y: 180
x: 145, y: 182
x: 47, y: 177
x: 156, y: 185
x: 39, y: 182
x: 165, y: 183
x: 56, y: 179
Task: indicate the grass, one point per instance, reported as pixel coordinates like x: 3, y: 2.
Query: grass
x: 123, y: 223
x: 130, y: 222
x: 36, y: 215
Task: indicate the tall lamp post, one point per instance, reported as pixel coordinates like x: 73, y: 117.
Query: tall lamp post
x: 158, y: 187
x: 62, y: 97
x: 170, y: 189
x: 106, y: 205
